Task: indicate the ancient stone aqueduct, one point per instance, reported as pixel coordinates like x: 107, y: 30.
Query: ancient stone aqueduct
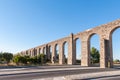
x: 105, y: 35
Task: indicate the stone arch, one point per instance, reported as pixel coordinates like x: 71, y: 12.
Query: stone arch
x: 113, y: 29
x: 92, y: 34
x: 111, y: 45
x: 94, y: 45
x: 77, y: 50
x: 65, y: 52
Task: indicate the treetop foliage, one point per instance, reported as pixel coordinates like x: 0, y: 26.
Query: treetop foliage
x: 95, y: 56
x: 5, y: 57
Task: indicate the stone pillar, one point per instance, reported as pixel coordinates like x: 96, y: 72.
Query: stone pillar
x: 61, y: 54
x: 111, y: 53
x: 48, y: 52
x: 74, y: 51
x: 33, y: 53
x: 53, y: 54
x: 30, y: 53
x: 43, y: 50
x: 106, y: 59
x: 27, y: 53
x: 38, y: 51
x: 71, y: 56
x: 103, y: 58
x: 85, y: 58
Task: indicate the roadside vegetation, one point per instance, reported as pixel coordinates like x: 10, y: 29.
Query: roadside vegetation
x: 7, y: 58
x: 116, y: 61
x: 27, y: 60
x: 95, y: 57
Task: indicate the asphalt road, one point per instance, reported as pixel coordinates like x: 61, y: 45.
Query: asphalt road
x: 47, y: 74
x: 116, y: 77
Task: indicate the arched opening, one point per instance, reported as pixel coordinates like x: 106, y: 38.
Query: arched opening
x: 36, y: 52
x: 94, y: 50
x: 115, y: 47
x: 65, y: 52
x: 78, y: 51
x: 26, y: 53
x: 33, y: 52
x: 39, y: 51
x: 56, y: 53
x: 30, y: 53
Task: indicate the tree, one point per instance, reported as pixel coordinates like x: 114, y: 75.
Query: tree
x: 16, y: 59
x: 21, y: 59
x: 42, y: 56
x: 1, y: 57
x: 31, y: 60
x: 7, y: 56
x: 95, y: 56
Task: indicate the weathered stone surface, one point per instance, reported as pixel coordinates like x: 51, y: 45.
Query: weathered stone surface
x: 104, y: 32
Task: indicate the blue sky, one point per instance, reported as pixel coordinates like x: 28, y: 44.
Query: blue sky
x: 28, y: 23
